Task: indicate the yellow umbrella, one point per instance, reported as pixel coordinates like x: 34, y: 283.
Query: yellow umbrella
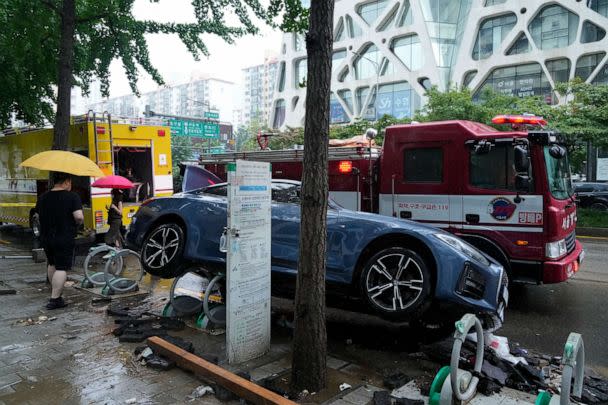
x: 62, y: 161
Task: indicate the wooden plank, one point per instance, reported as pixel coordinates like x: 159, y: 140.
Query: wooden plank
x: 232, y: 382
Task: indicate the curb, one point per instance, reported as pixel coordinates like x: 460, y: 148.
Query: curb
x: 595, y: 232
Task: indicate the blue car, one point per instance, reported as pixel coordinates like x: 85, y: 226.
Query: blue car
x: 398, y: 268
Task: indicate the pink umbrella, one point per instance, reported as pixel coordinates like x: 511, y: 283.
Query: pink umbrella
x: 113, y: 181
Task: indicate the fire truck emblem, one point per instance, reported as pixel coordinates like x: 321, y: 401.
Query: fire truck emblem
x: 501, y: 208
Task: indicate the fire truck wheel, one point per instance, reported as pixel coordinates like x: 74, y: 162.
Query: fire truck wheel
x: 396, y: 282
x: 161, y: 253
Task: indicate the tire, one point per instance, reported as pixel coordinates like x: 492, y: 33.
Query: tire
x: 599, y: 206
x: 162, y: 251
x: 379, y: 283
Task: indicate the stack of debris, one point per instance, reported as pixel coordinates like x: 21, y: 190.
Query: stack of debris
x: 137, y: 328
x: 518, y: 369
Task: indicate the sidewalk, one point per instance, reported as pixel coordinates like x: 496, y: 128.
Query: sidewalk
x: 69, y: 356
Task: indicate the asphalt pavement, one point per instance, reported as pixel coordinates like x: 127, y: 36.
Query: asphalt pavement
x: 541, y: 317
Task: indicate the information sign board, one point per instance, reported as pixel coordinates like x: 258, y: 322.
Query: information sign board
x: 195, y: 129
x: 248, y: 260
x: 211, y: 114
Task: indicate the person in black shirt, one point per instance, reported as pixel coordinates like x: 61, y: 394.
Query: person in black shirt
x: 60, y: 212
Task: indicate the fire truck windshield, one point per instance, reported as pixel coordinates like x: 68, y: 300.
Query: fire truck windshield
x: 558, y: 175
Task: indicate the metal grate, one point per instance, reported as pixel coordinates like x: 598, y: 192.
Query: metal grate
x: 571, y: 242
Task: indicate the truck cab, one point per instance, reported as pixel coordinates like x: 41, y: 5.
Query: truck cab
x: 507, y: 193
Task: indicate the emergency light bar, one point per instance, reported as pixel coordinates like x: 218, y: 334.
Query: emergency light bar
x: 519, y: 120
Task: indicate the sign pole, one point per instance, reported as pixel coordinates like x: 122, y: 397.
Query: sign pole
x: 248, y: 260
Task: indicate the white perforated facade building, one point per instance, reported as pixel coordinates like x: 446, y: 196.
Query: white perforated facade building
x: 386, y: 52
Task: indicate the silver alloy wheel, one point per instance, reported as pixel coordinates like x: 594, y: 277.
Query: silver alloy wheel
x: 161, y: 247
x: 394, y: 282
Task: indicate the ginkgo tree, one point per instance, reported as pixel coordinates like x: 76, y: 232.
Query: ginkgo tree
x: 49, y: 46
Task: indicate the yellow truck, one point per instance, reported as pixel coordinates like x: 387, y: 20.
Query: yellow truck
x: 135, y: 148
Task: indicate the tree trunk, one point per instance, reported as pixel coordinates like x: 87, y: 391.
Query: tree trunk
x: 65, y: 72
x: 310, y: 336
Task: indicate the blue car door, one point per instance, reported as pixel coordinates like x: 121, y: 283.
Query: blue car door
x: 211, y: 218
x: 286, y: 235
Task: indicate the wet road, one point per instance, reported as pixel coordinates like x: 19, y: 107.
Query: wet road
x: 539, y: 317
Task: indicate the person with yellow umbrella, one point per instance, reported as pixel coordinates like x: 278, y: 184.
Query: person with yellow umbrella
x: 60, y: 212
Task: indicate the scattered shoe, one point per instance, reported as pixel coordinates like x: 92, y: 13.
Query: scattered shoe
x: 56, y: 303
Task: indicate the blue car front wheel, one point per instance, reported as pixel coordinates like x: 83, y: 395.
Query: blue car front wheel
x: 396, y: 283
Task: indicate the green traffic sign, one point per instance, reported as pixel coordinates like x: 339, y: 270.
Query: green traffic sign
x: 195, y: 129
x: 210, y: 114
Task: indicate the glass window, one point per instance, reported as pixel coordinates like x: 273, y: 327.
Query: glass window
x: 599, y: 6
x: 339, y: 32
x: 337, y: 58
x: 221, y: 191
x: 301, y: 73
x: 586, y: 64
x: 388, y: 21
x: 279, y: 114
x: 468, y: 78
x: 558, y: 175
x: 409, y: 51
x: 395, y: 100
x: 520, y: 81
x: 282, y: 77
x: 406, y: 17
x: 367, y: 64
x: 347, y: 96
x: 521, y: 45
x: 370, y: 11
x: 354, y: 30
x: 285, y: 193
x: 298, y: 42
x: 343, y: 74
x: 491, y: 34
x: 493, y: 170
x: 494, y: 2
x: 425, y: 82
x: 602, y: 76
x: 361, y: 95
x: 423, y: 165
x: 592, y: 33
x: 554, y: 27
x: 386, y: 67
x: 337, y: 114
x: 559, y: 69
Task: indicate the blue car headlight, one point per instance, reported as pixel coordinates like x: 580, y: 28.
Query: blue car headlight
x: 463, y: 247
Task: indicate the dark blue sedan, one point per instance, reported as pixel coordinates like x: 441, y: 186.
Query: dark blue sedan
x: 399, y: 268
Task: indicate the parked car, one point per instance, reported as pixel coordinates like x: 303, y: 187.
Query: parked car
x: 592, y: 195
x: 397, y: 267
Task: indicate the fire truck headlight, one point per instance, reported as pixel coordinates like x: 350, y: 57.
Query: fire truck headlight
x: 463, y: 247
x: 555, y: 250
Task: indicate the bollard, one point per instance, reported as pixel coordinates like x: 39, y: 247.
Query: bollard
x: 462, y: 385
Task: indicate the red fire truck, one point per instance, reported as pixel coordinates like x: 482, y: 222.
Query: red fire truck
x: 507, y: 193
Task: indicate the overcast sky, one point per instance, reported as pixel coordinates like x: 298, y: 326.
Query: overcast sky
x: 176, y: 64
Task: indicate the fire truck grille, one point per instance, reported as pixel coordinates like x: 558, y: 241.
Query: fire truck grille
x: 571, y: 241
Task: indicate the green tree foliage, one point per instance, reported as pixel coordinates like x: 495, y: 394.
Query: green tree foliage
x: 585, y: 116
x: 459, y: 104
x: 181, y: 150
x: 107, y: 30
